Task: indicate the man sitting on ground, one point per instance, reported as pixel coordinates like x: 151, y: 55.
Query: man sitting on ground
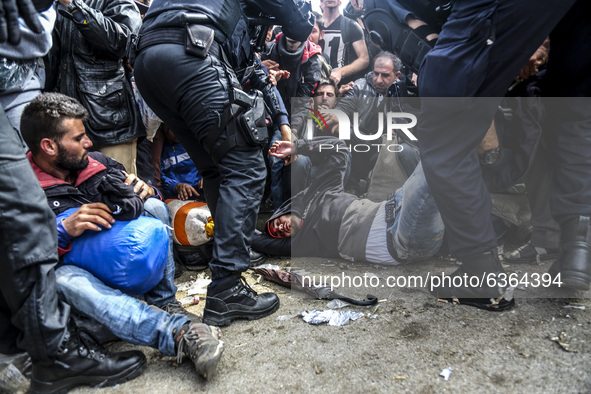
x: 302, y: 171
x: 74, y: 178
x: 53, y: 129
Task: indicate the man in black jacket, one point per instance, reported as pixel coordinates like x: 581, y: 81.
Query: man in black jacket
x: 91, y: 38
x: 53, y: 127
x: 199, y: 96
x: 368, y: 98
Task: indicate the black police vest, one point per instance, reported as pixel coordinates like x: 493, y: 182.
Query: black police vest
x: 226, y: 18
x: 224, y: 14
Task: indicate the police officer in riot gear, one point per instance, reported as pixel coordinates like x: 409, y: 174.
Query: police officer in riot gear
x: 480, y: 51
x: 194, y: 57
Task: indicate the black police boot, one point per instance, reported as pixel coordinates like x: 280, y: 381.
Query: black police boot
x: 256, y: 258
x: 477, y: 283
x: 575, y: 256
x: 81, y: 361
x: 232, y: 298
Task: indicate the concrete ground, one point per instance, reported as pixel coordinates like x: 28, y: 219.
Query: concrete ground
x: 404, y: 347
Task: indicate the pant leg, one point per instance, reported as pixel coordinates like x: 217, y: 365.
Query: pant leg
x: 243, y: 175
x: 479, y: 52
x: 189, y: 95
x: 145, y: 167
x: 132, y: 320
x: 409, y: 158
x: 31, y: 317
x: 418, y: 228
x: 570, y: 196
x: 570, y: 117
x: 125, y: 153
x: 165, y: 290
x: 538, y: 181
x: 301, y: 174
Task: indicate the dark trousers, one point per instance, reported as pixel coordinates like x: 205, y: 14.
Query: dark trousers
x: 189, y: 94
x: 538, y: 183
x: 480, y: 51
x: 31, y: 316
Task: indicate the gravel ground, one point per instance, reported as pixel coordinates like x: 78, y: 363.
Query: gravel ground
x: 404, y: 347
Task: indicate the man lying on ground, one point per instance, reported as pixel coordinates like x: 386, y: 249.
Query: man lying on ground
x: 325, y: 221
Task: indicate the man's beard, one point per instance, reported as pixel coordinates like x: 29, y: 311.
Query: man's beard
x: 69, y: 162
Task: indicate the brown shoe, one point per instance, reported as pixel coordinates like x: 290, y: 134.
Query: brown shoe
x: 201, y: 343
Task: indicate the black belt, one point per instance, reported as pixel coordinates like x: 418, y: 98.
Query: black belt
x: 172, y: 35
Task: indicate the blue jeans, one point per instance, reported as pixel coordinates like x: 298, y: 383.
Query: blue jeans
x: 418, y: 229
x: 128, y: 318
x: 165, y: 290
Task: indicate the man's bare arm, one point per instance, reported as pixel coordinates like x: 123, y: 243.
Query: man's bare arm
x: 357, y: 65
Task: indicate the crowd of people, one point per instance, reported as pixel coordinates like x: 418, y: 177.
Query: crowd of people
x: 249, y: 100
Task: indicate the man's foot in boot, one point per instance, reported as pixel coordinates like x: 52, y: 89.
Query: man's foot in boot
x: 476, y: 284
x: 176, y: 308
x: 256, y: 258
x: 557, y: 288
x: 232, y: 298
x: 201, y: 343
x: 574, y: 263
x: 82, y: 361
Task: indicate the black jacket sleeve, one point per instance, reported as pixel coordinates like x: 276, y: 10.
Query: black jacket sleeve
x: 111, y: 189
x: 110, y: 29
x: 275, y: 104
x: 266, y: 244
x: 330, y: 156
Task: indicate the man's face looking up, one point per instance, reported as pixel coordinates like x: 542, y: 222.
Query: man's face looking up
x: 324, y: 97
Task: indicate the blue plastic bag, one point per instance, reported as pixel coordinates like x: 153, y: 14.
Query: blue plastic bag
x: 130, y: 256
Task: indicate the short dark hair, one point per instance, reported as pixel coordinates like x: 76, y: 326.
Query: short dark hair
x: 319, y: 20
x: 390, y: 56
x: 328, y: 82
x: 44, y: 115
